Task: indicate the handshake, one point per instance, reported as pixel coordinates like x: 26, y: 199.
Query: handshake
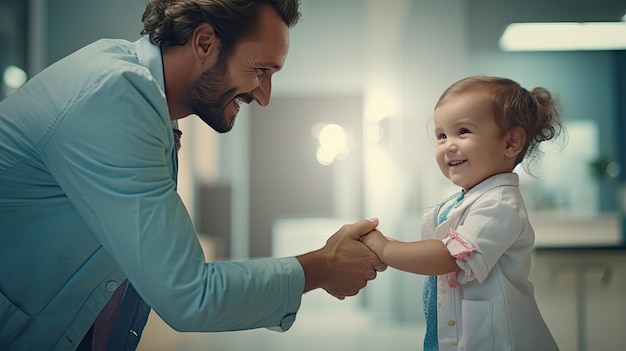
x: 348, y: 260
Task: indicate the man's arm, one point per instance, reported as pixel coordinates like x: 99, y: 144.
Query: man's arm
x: 344, y: 265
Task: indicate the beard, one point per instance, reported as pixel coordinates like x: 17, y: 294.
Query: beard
x: 209, y: 95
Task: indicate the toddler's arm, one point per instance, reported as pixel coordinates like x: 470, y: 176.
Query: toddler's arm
x: 427, y: 257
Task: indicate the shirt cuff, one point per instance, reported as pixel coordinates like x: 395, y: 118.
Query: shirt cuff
x: 296, y: 290
x: 461, y: 251
x: 285, y: 324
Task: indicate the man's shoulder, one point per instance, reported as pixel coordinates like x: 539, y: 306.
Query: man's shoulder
x: 101, y: 62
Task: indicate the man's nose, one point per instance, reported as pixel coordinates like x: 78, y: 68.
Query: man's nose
x: 263, y: 92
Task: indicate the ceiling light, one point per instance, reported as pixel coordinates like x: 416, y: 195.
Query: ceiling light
x: 564, y: 36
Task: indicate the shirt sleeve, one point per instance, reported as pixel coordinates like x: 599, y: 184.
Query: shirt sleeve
x: 492, y: 225
x: 112, y: 155
x: 461, y: 251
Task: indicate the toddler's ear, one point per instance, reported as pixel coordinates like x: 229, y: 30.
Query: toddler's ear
x: 515, y: 142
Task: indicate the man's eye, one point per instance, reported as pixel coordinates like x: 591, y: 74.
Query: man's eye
x: 261, y: 71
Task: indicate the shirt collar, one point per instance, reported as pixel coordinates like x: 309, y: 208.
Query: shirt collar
x: 149, y: 55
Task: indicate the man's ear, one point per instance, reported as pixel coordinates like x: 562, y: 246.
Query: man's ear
x: 205, y: 43
x: 516, y: 139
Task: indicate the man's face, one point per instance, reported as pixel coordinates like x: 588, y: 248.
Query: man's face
x: 211, y: 94
x: 243, y: 77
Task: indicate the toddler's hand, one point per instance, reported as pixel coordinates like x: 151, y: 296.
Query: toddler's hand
x: 376, y: 242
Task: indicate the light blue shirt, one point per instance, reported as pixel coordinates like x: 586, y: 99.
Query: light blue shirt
x: 88, y: 199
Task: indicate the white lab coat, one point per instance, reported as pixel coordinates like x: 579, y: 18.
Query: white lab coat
x: 494, y: 307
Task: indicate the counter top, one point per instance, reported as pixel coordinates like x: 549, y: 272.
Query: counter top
x: 570, y: 232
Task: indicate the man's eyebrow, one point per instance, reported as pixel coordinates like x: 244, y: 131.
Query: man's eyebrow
x: 271, y: 64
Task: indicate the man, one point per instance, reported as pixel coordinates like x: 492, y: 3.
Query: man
x: 93, y: 231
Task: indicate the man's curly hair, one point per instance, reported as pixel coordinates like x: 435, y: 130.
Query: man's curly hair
x: 172, y: 22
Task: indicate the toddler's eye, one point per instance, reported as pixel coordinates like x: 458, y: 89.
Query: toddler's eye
x: 463, y: 131
x: 441, y: 136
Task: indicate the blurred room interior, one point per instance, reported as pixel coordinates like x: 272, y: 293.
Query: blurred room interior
x: 346, y: 136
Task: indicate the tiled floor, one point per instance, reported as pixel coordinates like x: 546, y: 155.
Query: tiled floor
x: 331, y: 326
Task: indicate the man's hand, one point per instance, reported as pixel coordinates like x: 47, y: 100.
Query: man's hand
x: 344, y: 265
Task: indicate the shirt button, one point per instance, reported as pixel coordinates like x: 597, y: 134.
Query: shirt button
x: 451, y: 323
x: 112, y: 285
x: 453, y: 343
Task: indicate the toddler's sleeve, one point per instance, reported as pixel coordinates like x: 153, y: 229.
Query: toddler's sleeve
x: 461, y: 251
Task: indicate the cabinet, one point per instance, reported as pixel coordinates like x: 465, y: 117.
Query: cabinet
x: 581, y: 292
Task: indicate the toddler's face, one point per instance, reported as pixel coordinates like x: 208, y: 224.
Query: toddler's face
x: 470, y: 145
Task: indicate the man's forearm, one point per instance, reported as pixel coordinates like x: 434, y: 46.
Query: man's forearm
x: 315, y: 269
